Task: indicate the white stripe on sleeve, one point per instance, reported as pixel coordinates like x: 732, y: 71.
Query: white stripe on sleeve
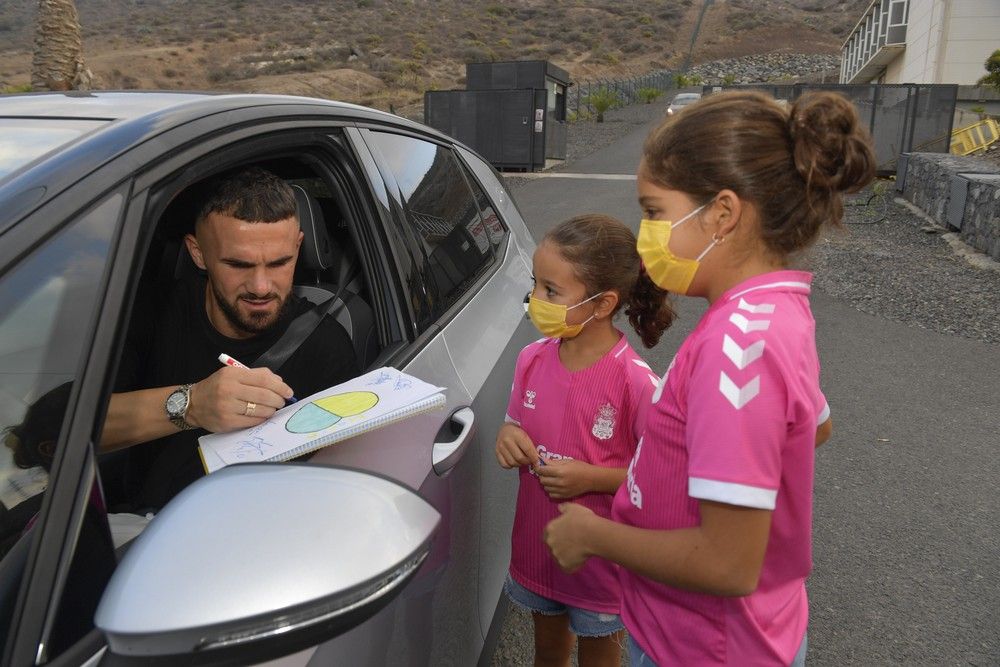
x: 732, y: 493
x: 510, y: 420
x: 824, y: 415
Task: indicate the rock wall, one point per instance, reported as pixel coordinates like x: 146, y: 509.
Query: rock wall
x: 766, y: 67
x: 928, y: 186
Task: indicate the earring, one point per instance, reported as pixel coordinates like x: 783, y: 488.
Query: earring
x: 717, y: 240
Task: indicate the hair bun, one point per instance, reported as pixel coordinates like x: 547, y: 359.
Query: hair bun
x: 831, y: 151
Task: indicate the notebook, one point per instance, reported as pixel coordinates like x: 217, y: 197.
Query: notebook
x: 362, y: 404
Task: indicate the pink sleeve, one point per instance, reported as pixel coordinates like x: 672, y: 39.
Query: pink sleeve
x: 644, y: 389
x: 736, y: 426
x: 517, y: 388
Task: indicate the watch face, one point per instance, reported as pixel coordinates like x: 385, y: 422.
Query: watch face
x: 176, y: 403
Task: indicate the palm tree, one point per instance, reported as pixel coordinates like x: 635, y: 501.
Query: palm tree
x: 58, y: 59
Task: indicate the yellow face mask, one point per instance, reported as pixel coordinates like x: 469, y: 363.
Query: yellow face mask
x: 550, y: 318
x: 665, y: 269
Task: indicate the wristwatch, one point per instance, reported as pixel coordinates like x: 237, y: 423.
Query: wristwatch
x: 177, y: 406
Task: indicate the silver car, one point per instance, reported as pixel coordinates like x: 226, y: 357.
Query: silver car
x: 390, y: 548
x: 680, y: 101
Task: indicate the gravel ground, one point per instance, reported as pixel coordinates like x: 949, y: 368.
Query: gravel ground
x: 901, y: 269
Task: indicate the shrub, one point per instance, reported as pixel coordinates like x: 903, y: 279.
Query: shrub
x: 10, y: 90
x: 649, y: 95
x: 602, y: 99
x: 992, y: 65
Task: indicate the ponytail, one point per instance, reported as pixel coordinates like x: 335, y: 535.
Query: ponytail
x: 649, y: 310
x: 602, y: 252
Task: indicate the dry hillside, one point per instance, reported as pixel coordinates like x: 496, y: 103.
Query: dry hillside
x: 382, y: 52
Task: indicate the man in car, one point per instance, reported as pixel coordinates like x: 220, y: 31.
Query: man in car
x: 171, y: 387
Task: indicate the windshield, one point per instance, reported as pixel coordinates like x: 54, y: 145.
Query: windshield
x: 24, y: 139
x: 684, y: 100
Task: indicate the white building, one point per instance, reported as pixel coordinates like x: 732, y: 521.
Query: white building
x: 921, y: 41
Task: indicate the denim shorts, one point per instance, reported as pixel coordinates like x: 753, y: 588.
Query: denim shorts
x: 638, y: 658
x: 583, y: 622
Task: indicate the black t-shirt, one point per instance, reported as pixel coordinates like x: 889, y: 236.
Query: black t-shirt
x: 177, y: 344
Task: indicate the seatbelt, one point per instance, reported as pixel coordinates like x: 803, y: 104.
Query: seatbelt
x: 297, y: 332
x: 302, y: 326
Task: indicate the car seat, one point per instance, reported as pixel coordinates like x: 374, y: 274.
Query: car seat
x: 320, y: 256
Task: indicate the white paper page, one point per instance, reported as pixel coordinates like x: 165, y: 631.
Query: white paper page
x: 362, y: 400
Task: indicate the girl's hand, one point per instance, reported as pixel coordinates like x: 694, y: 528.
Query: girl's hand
x: 566, y: 536
x: 563, y: 479
x: 514, y: 447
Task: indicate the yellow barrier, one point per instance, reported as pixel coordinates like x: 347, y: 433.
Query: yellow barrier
x: 974, y: 137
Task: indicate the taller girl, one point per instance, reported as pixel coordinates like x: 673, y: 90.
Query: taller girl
x: 713, y: 524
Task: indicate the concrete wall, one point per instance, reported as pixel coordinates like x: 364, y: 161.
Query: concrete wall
x: 947, y: 41
x: 975, y: 96
x: 928, y: 186
x: 922, y: 39
x: 973, y: 33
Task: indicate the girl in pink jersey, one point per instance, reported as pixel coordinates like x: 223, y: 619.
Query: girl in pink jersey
x: 713, y: 524
x: 575, y: 414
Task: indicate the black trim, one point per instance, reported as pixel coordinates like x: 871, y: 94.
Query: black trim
x: 497, y: 260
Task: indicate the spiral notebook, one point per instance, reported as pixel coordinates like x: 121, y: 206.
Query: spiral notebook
x: 362, y: 404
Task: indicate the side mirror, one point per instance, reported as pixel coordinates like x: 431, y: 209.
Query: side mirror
x: 257, y: 561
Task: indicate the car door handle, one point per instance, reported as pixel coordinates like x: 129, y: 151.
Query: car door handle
x: 447, y: 454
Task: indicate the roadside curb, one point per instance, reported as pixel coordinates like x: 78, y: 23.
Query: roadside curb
x: 975, y: 258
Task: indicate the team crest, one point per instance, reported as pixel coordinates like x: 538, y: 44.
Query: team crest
x: 604, y: 423
x: 529, y: 399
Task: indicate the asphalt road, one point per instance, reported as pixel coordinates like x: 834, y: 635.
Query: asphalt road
x: 907, y: 516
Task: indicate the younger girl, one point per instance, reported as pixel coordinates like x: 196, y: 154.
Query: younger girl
x: 713, y: 524
x: 574, y: 417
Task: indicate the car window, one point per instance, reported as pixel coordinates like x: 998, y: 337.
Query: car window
x: 443, y: 212
x: 496, y: 230
x: 24, y: 139
x: 46, y: 301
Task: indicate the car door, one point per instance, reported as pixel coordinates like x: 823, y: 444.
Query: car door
x: 476, y: 280
x: 495, y: 320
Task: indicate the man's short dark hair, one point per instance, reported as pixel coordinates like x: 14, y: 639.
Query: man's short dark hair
x: 252, y: 194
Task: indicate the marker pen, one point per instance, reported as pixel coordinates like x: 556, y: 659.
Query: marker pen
x: 226, y: 360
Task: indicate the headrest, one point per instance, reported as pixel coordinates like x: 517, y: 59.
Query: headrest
x: 317, y: 252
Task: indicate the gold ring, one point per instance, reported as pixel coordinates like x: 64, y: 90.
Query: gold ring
x: 250, y: 409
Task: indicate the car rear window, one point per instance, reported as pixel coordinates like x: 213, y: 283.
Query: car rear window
x: 25, y: 139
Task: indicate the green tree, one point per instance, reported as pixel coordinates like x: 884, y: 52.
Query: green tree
x: 602, y: 99
x: 992, y: 77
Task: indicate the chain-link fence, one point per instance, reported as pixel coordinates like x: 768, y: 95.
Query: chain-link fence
x: 587, y: 99
x: 902, y: 118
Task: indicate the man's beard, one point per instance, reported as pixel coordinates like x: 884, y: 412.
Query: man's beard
x: 255, y: 323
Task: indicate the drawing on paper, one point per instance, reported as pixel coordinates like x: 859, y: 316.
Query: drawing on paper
x: 325, y: 412
x: 252, y: 447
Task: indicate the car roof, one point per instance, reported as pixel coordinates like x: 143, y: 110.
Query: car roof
x: 136, y: 116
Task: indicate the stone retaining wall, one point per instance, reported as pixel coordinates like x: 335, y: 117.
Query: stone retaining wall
x: 932, y: 178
